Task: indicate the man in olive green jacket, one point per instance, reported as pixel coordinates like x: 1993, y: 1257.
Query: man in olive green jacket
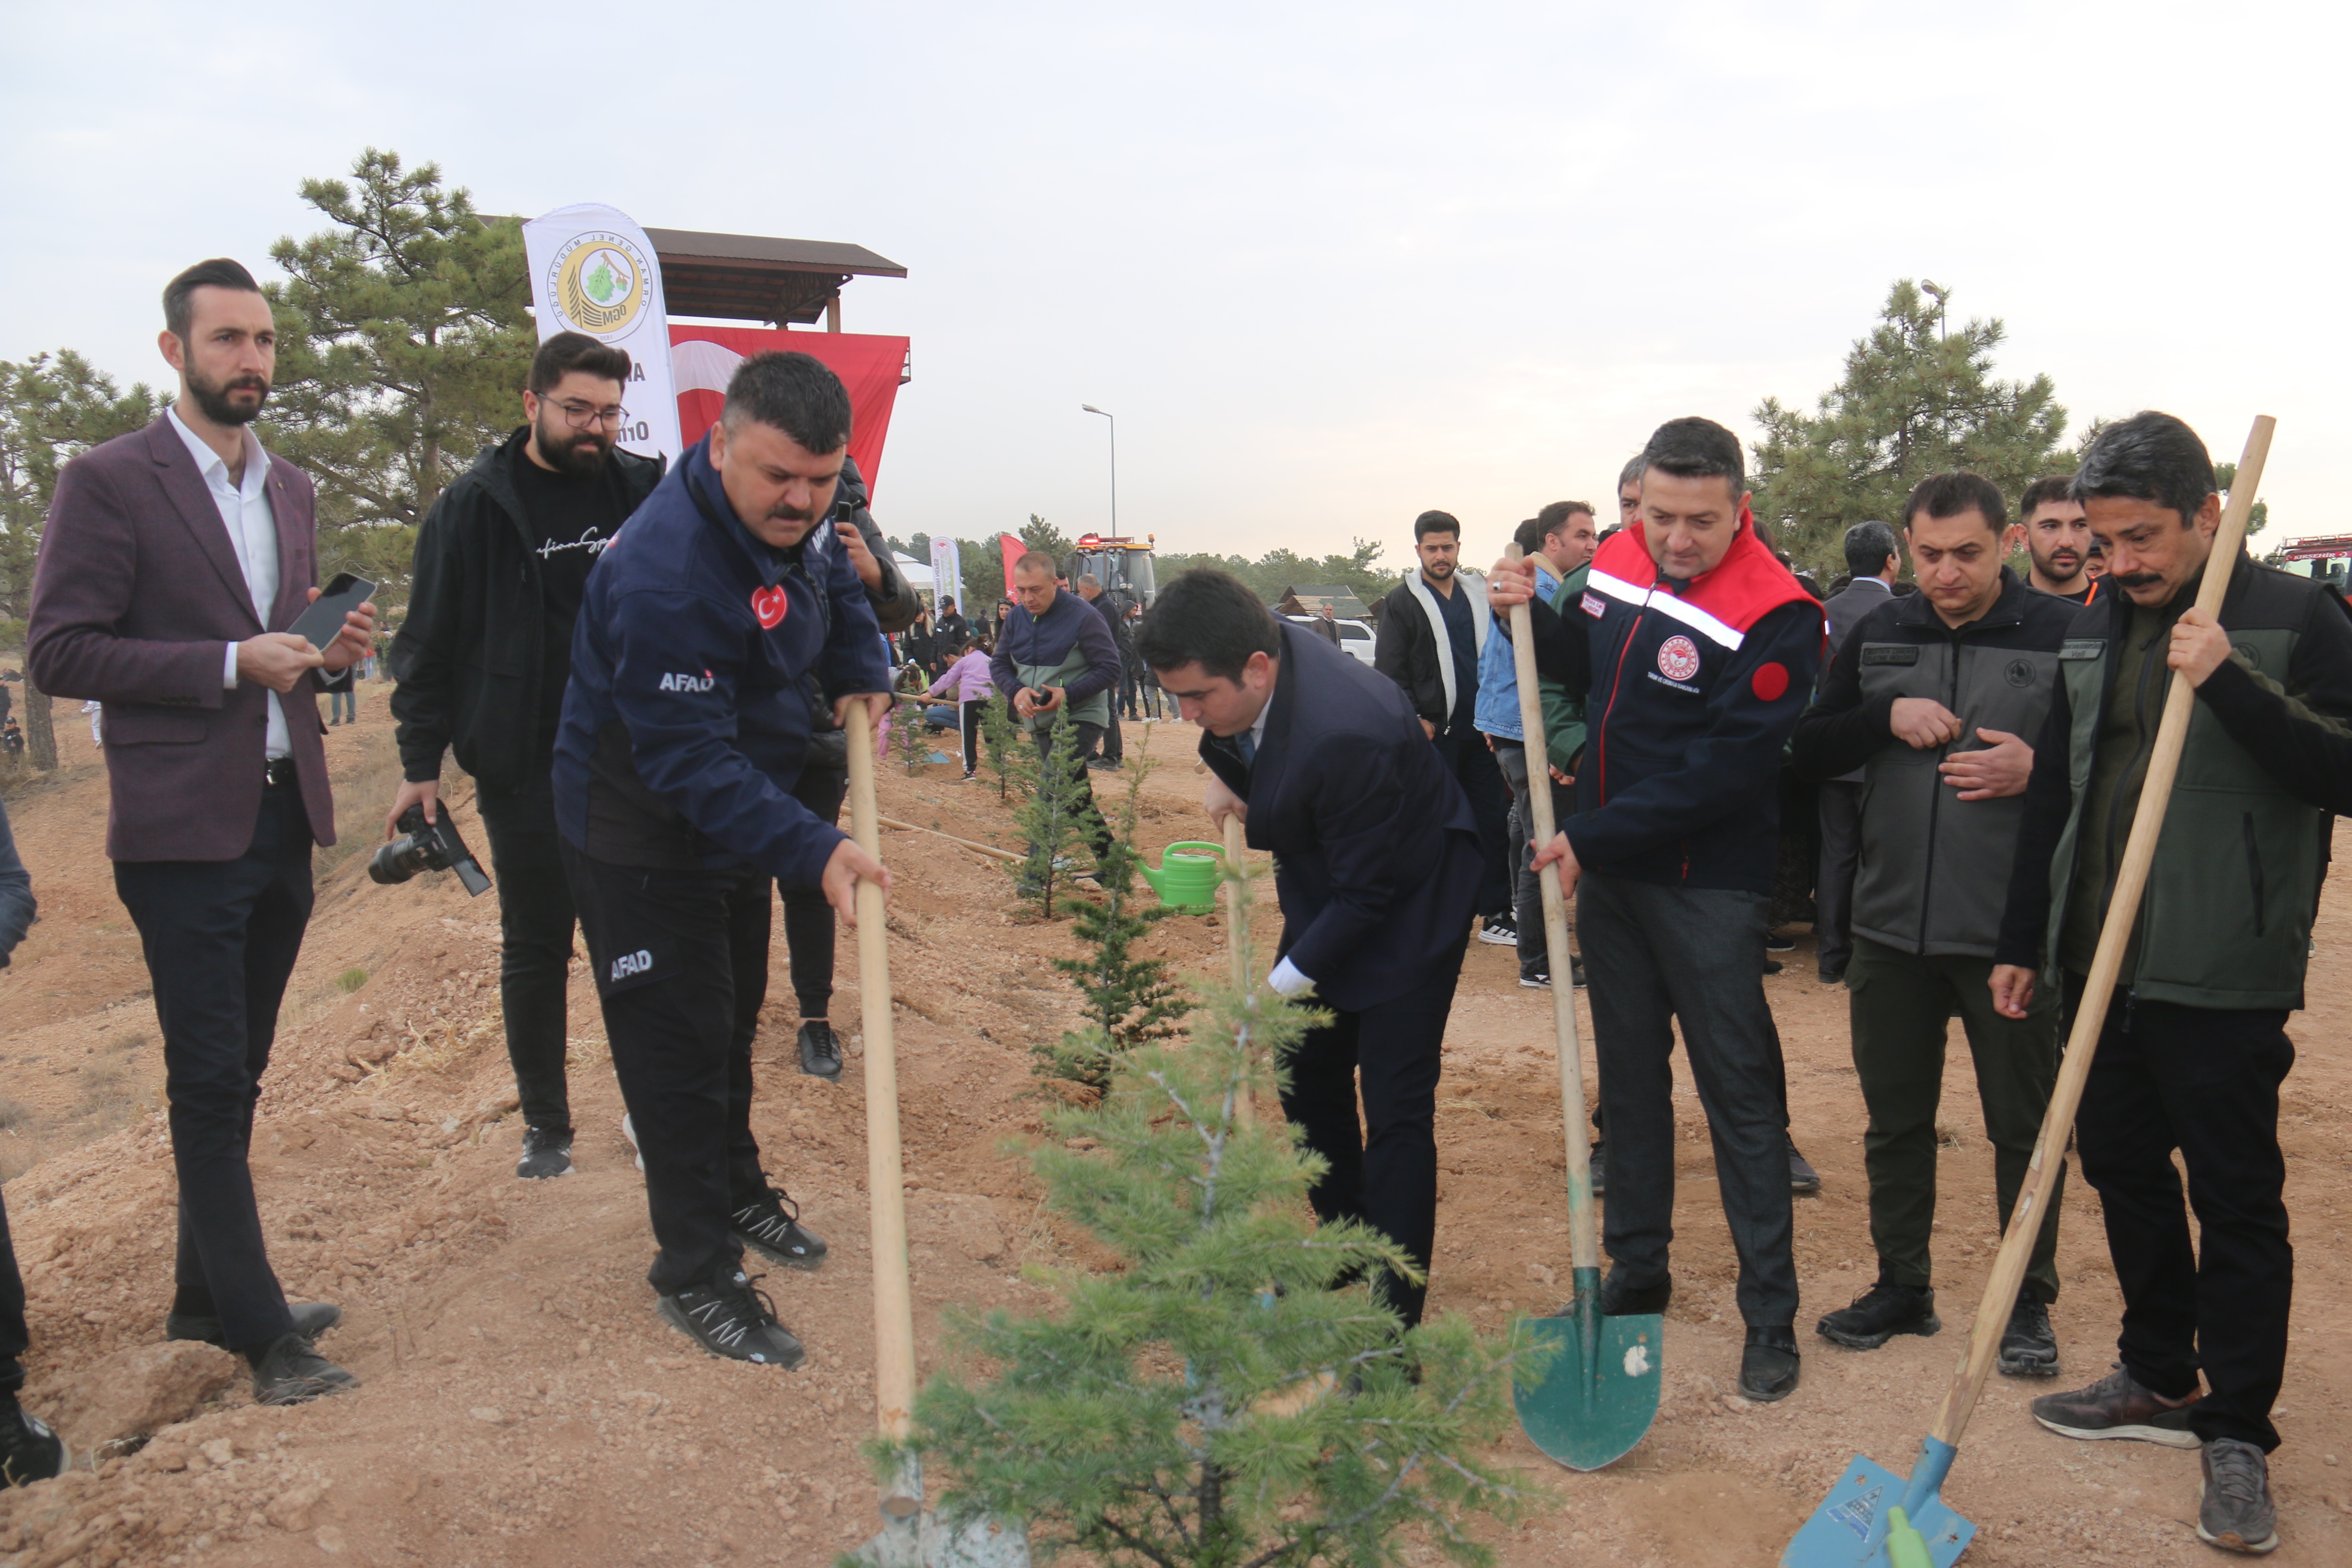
x: 2195, y: 1046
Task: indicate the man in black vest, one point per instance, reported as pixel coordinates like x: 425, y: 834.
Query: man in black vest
x: 2194, y: 1046
x: 1376, y: 863
x: 1926, y: 701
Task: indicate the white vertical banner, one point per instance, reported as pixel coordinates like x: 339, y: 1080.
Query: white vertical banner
x: 593, y: 271
x: 947, y: 574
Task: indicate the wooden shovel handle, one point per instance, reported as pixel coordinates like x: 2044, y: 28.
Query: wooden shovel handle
x: 1583, y: 1240
x: 894, y: 1305
x: 2107, y: 964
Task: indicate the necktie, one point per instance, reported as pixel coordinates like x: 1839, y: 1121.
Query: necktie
x: 1246, y: 745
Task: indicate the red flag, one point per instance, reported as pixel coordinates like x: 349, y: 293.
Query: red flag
x: 1013, y: 550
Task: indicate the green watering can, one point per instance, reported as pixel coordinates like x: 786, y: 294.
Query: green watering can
x: 1186, y: 876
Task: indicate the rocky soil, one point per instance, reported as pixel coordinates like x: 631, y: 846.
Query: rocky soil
x: 523, y: 1405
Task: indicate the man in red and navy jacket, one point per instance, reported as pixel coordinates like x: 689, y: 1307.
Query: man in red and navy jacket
x: 1695, y: 650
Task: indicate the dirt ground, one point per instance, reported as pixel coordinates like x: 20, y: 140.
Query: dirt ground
x: 523, y: 1405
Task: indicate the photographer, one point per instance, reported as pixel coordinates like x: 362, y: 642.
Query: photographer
x: 683, y: 737
x: 502, y: 561
x: 824, y: 773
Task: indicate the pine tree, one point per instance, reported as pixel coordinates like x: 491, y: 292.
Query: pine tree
x: 1054, y: 816
x: 911, y: 739
x: 998, y: 738
x: 2224, y: 476
x: 1129, y: 1001
x: 1914, y: 401
x: 1216, y: 1402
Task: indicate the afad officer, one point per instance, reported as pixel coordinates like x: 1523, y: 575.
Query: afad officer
x: 1376, y: 864
x: 684, y: 731
x: 1695, y: 650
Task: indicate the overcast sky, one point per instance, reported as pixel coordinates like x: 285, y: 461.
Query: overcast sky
x: 1329, y: 265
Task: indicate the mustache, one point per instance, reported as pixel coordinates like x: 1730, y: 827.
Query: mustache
x: 2135, y: 579
x: 782, y: 513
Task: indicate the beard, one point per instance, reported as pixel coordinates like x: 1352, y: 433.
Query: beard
x: 212, y: 396
x: 2060, y: 564
x: 580, y: 452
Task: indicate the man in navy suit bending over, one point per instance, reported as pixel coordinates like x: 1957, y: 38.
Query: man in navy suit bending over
x: 1376, y: 864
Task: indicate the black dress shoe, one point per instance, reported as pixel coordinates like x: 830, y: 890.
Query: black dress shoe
x: 289, y: 1372
x: 311, y: 1318
x: 1768, y: 1366
x: 1880, y: 1313
x: 30, y: 1451
x: 1622, y: 1298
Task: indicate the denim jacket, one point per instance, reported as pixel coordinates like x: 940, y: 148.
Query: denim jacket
x: 1498, y: 679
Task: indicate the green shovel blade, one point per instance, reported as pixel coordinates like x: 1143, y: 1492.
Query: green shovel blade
x: 1589, y: 1392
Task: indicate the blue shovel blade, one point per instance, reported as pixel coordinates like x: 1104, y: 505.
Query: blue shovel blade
x: 1839, y: 1533
x: 1586, y: 1414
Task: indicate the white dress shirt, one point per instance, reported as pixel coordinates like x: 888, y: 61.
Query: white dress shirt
x: 252, y: 524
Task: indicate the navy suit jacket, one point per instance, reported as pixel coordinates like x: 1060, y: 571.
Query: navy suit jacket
x: 1375, y: 850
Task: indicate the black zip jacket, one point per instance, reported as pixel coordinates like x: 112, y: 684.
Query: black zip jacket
x: 1934, y: 870
x: 469, y: 656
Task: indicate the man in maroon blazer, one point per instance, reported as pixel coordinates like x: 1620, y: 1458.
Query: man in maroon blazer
x: 170, y: 555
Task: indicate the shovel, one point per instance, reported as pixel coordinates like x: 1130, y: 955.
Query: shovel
x: 1852, y: 1527
x: 1592, y: 1392
x: 911, y: 1537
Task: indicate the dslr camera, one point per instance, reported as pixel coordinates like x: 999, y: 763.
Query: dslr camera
x: 428, y: 846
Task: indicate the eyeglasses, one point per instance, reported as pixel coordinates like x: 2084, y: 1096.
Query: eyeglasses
x: 579, y: 416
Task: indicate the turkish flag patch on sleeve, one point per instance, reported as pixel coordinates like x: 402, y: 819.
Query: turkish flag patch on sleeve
x: 1771, y: 681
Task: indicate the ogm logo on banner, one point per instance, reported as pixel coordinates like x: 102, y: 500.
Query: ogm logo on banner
x: 596, y: 284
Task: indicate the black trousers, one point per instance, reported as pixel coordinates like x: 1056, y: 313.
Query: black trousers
x: 809, y: 928
x: 1656, y: 956
x: 1481, y: 778
x: 2204, y: 1081
x: 1114, y: 745
x: 1527, y: 886
x: 1841, y: 820
x: 220, y: 939
x: 968, y: 720
x: 14, y: 1336
x: 535, y: 924
x: 1384, y: 1169
x: 681, y: 965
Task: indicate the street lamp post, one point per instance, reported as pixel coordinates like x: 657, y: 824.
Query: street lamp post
x: 1106, y: 414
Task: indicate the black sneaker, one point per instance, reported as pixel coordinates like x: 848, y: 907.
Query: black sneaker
x: 2118, y: 1406
x: 311, y: 1318
x: 1775, y: 942
x: 2234, y: 1509
x: 1596, y: 1162
x: 1833, y: 976
x: 546, y: 1154
x: 1619, y: 1297
x: 1534, y: 982
x: 289, y: 1372
x: 1768, y: 1366
x: 2027, y: 1347
x: 820, y: 1050
x: 771, y: 1225
x: 1498, y: 931
x: 30, y: 1451
x: 1802, y: 1177
x: 1880, y: 1313
x: 1773, y: 967
x: 731, y: 1316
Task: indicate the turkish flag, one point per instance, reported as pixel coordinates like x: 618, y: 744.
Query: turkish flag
x: 704, y: 358
x: 1010, y: 546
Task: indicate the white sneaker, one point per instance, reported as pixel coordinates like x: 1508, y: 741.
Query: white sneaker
x: 629, y: 1131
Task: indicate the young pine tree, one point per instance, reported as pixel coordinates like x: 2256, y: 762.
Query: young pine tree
x: 911, y: 740
x: 1054, y: 815
x: 1216, y: 1402
x: 1129, y: 1000
x: 998, y: 737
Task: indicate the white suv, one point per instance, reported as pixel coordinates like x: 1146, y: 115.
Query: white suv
x: 1355, y: 637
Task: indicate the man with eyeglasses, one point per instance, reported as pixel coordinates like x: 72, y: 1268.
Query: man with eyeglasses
x: 482, y: 659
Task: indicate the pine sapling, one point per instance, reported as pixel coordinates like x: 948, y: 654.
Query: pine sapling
x: 1216, y: 1402
x: 1054, y: 815
x: 998, y: 738
x: 912, y: 739
x: 1129, y: 1000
